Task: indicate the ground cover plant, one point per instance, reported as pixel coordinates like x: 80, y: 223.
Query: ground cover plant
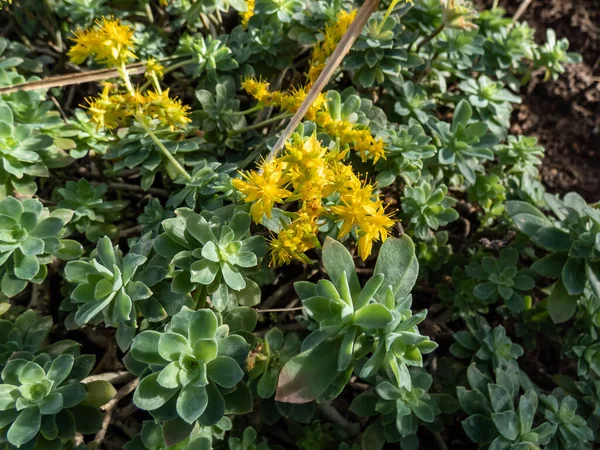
x: 177, y: 271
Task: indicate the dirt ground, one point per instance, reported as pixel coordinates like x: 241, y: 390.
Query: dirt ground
x: 565, y: 114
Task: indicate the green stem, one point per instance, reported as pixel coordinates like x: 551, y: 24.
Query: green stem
x: 433, y: 34
x: 258, y: 107
x: 164, y: 149
x: 495, y: 5
x: 260, y: 124
x: 387, y: 15
x: 125, y: 75
x: 170, y: 69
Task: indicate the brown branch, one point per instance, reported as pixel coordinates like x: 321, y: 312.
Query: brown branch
x: 109, y: 409
x: 333, y: 63
x: 112, y: 377
x: 72, y: 78
x: 522, y: 8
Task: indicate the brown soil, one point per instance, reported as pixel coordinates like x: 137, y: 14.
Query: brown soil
x: 565, y: 114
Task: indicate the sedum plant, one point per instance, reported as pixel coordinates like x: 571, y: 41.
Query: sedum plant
x: 30, y: 237
x: 494, y: 418
x: 502, y: 278
x: 486, y: 345
x: 426, y: 207
x: 105, y: 288
x: 464, y: 143
x: 212, y: 252
x: 25, y: 334
x: 38, y: 396
x: 355, y: 322
x: 572, y: 243
x: 92, y: 214
x: 193, y: 362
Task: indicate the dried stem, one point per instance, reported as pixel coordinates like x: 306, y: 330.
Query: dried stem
x: 109, y: 408
x: 522, y: 8
x: 333, y: 63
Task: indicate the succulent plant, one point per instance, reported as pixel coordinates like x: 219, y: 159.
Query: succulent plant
x: 463, y: 142
x: 379, y: 53
x: 406, y: 151
x: 30, y: 236
x: 274, y: 351
x: 354, y: 322
x: 213, y: 250
x: 36, y: 396
x: 493, y: 417
x: 20, y: 147
x: 502, y: 277
x: 572, y: 430
x: 191, y: 361
x: 553, y: 55
x: 25, y: 334
x: 92, y: 214
x: 485, y: 344
x: 426, y: 207
x: 105, y: 286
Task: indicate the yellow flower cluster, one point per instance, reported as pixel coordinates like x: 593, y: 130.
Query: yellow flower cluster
x: 247, y: 15
x: 331, y: 37
x: 113, y: 109
x: 111, y: 43
x: 154, y: 69
x: 108, y: 42
x: 347, y: 133
x: 309, y: 173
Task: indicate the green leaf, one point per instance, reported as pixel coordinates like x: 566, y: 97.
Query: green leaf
x: 241, y: 319
x: 507, y: 424
x: 198, y: 227
x: 150, y: 395
x: 224, y: 371
x: 216, y: 407
x: 192, y: 402
x: 203, y: 271
x: 60, y: 369
x: 552, y: 239
x: 574, y: 276
x: 25, y: 427
x: 232, y: 276
x: 297, y: 381
x: 172, y: 345
x: 31, y: 373
x: 337, y: 260
x: 398, y: 263
x: 347, y: 349
x: 99, y: 393
x: 203, y: 325
x: 480, y: 429
x: 372, y: 317
x: 527, y: 407
x: 462, y: 114
x: 145, y: 348
x: 561, y: 305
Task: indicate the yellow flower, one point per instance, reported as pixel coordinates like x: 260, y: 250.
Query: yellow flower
x: 108, y: 110
x: 154, y: 68
x: 372, y: 228
x: 294, y: 241
x: 247, y: 15
x: 169, y: 111
x: 108, y: 42
x: 263, y: 189
x: 331, y: 37
x: 257, y: 88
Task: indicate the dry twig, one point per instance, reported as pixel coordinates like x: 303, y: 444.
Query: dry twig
x: 109, y: 408
x: 333, y: 63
